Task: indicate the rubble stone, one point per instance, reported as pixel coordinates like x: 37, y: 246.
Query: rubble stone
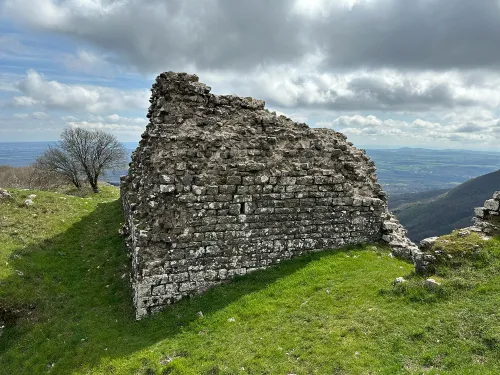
x: 492, y: 205
x: 427, y: 243
x: 4, y: 194
x: 399, y: 280
x: 431, y: 283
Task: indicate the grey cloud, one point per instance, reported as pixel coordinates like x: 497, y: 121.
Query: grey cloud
x: 417, y: 34
x: 373, y: 91
x: 161, y: 35
x: 404, y: 94
x: 241, y: 35
x: 469, y: 128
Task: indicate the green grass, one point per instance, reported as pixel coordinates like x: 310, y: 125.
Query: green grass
x: 337, y: 312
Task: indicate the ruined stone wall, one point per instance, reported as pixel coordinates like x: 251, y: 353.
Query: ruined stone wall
x: 219, y: 186
x: 486, y: 223
x: 487, y: 218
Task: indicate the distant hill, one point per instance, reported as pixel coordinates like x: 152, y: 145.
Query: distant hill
x: 439, y: 212
x: 399, y: 202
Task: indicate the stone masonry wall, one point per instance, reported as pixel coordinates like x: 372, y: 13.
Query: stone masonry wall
x: 486, y: 222
x: 487, y: 218
x: 219, y: 186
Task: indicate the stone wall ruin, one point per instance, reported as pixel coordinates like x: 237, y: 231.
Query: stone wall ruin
x: 219, y: 187
x: 487, y: 218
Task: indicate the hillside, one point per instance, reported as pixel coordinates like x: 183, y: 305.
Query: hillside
x: 438, y: 214
x: 399, y: 202
x: 65, y: 301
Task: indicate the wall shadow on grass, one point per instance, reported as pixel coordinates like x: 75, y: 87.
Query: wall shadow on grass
x: 78, y: 286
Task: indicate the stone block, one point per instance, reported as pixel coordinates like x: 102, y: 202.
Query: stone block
x: 167, y: 188
x: 479, y: 212
x: 492, y: 204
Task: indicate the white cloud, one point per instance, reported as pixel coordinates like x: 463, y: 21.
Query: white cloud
x: 69, y: 118
x: 136, y: 120
x: 20, y: 116
x: 90, y: 63
x: 46, y: 13
x: 114, y: 117
x: 373, y: 130
x: 23, y: 101
x: 94, y: 99
x: 34, y: 115
x: 114, y: 128
x: 39, y: 115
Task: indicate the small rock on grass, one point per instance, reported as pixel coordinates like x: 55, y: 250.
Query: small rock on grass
x: 4, y: 194
x: 399, y: 280
x: 463, y: 233
x: 431, y: 283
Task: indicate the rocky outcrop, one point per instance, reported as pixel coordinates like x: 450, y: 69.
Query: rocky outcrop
x: 219, y: 187
x: 486, y: 222
x: 487, y: 218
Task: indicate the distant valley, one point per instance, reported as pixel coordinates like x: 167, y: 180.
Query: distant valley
x: 438, y: 212
x: 415, y: 170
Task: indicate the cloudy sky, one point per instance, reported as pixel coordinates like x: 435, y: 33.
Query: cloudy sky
x: 420, y: 73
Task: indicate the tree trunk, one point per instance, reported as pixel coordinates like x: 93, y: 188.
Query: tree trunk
x: 76, y: 182
x: 93, y: 184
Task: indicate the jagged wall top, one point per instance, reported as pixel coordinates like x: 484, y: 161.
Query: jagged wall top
x: 178, y: 110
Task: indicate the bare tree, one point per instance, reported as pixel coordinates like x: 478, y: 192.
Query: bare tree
x: 83, y: 154
x: 94, y: 151
x: 55, y: 159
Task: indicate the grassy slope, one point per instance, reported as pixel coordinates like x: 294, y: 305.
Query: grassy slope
x: 449, y: 211
x: 326, y: 313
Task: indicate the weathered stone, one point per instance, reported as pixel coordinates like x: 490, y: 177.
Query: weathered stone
x: 167, y: 188
x: 479, y: 212
x: 486, y: 218
x: 427, y: 243
x: 399, y: 280
x: 431, y: 283
x: 390, y: 225
x: 492, y: 204
x: 219, y: 187
x: 424, y: 263
x: 4, y: 194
